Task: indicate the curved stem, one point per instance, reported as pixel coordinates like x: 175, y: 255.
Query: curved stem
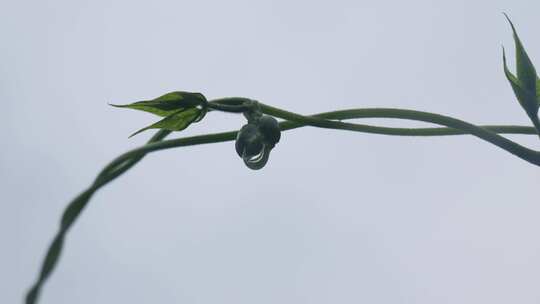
x: 127, y: 160
x: 231, y: 104
x: 430, y: 131
x: 518, y: 150
x: 71, y: 213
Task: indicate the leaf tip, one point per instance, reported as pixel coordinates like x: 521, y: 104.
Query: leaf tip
x: 140, y: 131
x: 509, y: 21
x: 135, y: 133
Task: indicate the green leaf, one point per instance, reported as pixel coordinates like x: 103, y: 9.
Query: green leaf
x: 526, y: 98
x: 526, y: 85
x: 168, y: 104
x: 177, y: 121
x: 526, y: 73
x: 538, y: 90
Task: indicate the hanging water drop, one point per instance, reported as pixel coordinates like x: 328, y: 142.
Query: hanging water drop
x: 258, y: 161
x: 256, y: 139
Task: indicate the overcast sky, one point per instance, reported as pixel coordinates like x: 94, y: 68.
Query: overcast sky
x: 335, y: 217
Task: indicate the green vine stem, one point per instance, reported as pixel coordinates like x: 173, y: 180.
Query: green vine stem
x: 330, y: 120
x: 518, y: 150
x: 71, y: 213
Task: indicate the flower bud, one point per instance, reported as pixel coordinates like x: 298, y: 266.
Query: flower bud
x: 249, y: 141
x: 256, y: 139
x: 269, y: 128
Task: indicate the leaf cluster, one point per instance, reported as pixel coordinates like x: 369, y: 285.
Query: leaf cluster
x: 526, y: 85
x: 179, y: 109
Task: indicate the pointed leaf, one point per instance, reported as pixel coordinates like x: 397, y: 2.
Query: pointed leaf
x: 538, y: 90
x: 168, y: 104
x: 526, y: 73
x: 527, y: 99
x: 176, y: 121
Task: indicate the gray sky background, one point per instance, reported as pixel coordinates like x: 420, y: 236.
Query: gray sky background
x: 335, y: 217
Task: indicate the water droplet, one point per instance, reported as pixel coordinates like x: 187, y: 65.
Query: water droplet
x: 258, y: 161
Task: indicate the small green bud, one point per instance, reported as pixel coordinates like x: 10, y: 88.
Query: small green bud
x: 256, y: 139
x: 249, y: 141
x: 269, y: 128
